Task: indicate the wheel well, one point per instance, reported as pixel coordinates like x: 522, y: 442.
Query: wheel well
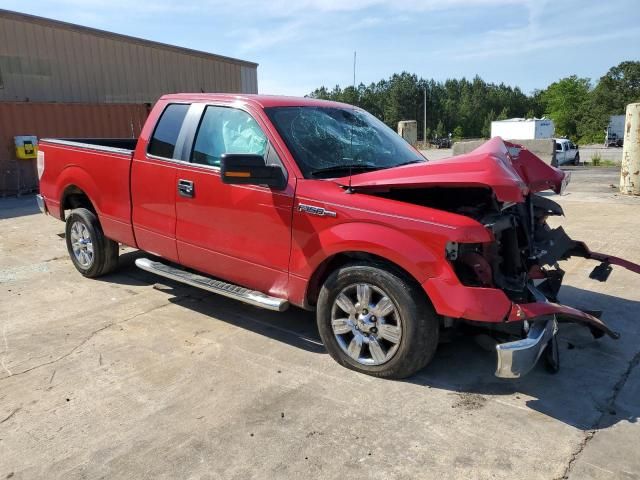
x: 336, y: 261
x: 74, y: 197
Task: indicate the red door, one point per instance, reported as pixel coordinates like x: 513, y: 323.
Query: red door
x: 239, y: 233
x: 153, y: 186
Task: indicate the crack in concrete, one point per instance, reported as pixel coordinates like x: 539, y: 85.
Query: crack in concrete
x: 617, y: 388
x: 574, y: 455
x: 16, y: 410
x: 93, y: 334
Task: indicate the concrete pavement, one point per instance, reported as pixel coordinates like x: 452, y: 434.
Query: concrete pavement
x: 132, y: 376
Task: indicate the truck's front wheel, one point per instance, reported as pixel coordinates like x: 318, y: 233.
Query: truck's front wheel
x: 91, y: 252
x: 375, y: 321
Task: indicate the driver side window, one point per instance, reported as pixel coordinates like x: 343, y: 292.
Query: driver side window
x: 226, y: 130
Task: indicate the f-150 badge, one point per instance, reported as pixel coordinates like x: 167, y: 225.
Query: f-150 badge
x: 318, y: 211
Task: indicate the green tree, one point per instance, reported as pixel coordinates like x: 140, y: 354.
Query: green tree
x: 618, y: 87
x: 565, y: 101
x: 403, y: 99
x: 577, y: 110
x: 486, y: 127
x: 614, y: 91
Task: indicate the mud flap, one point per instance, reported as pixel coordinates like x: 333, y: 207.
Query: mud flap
x: 601, y: 272
x: 580, y: 249
x: 531, y: 311
x: 557, y: 245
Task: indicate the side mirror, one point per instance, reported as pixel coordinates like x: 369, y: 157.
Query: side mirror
x: 250, y: 169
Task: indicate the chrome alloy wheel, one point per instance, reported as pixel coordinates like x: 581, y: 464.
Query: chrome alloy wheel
x: 366, y: 324
x: 81, y: 244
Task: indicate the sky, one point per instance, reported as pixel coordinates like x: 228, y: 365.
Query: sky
x: 304, y: 44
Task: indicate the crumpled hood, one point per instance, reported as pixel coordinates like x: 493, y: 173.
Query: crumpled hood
x: 508, y: 169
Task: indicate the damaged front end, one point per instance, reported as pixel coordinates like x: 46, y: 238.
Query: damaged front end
x: 510, y: 284
x: 522, y: 261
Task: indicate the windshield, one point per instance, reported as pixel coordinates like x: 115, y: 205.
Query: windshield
x: 330, y: 141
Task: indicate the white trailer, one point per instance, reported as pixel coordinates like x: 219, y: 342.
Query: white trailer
x: 523, y: 128
x: 614, y: 134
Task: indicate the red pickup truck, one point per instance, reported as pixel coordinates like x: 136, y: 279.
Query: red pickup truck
x: 276, y: 201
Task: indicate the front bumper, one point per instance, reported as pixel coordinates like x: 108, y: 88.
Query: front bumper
x: 41, y: 204
x: 516, y: 359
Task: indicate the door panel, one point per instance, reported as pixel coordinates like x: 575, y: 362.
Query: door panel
x: 153, y: 184
x: 239, y: 233
x: 153, y: 194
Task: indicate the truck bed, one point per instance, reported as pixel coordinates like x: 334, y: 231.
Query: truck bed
x: 75, y: 164
x: 97, y: 143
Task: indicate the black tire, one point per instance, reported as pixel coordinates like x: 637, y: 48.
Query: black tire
x: 551, y: 356
x: 105, y: 251
x: 576, y: 160
x: 420, y: 323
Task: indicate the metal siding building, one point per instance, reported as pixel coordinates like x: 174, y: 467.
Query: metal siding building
x: 58, y: 120
x: 46, y: 62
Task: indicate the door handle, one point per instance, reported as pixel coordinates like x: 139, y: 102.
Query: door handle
x: 186, y: 188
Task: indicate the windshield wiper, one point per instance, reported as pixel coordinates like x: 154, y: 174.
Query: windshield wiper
x: 344, y: 168
x: 407, y: 163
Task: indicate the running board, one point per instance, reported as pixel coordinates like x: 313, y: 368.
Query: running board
x: 257, y: 299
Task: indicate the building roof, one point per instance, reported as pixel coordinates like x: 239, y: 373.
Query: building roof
x: 523, y: 119
x: 23, y: 17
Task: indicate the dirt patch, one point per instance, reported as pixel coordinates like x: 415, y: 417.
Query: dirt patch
x: 469, y: 401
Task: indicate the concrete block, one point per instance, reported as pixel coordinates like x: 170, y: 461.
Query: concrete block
x: 408, y: 129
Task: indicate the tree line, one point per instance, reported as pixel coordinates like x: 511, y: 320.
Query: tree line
x: 465, y: 108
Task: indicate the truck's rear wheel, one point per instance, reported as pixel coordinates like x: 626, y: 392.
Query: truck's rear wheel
x: 91, y: 252
x: 375, y: 321
x: 576, y: 160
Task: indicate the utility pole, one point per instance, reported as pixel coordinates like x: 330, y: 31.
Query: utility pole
x: 630, y: 168
x: 354, y: 71
x: 424, y: 120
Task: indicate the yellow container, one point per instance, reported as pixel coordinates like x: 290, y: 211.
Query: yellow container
x: 26, y: 146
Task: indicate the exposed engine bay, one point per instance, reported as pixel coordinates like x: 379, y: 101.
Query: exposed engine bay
x: 522, y: 261
x: 526, y: 248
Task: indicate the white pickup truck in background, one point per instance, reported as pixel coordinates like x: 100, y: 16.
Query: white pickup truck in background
x: 566, y: 152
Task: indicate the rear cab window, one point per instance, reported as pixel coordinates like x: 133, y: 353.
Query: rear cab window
x: 165, y: 136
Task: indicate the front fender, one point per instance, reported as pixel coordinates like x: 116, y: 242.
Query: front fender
x: 417, y: 258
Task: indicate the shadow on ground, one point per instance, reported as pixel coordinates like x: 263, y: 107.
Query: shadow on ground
x: 18, y: 207
x: 582, y: 394
x: 295, y: 326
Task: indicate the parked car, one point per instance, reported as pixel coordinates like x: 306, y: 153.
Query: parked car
x: 441, y: 142
x: 278, y: 201
x: 566, y: 152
